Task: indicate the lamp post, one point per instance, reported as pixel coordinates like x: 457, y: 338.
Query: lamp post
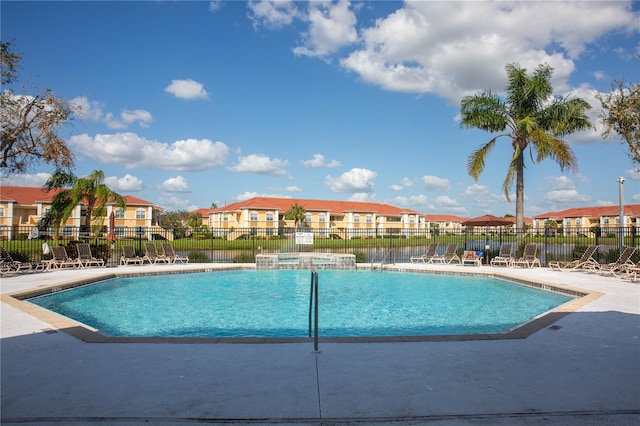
x: 621, y: 220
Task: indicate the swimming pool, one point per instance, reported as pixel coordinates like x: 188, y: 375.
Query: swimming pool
x: 275, y: 304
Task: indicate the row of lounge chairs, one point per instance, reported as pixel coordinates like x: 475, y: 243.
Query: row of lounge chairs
x: 60, y: 259
x: 505, y: 257
x: 129, y: 256
x: 432, y: 256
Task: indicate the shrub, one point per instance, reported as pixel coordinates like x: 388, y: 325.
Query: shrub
x: 244, y: 258
x: 360, y: 256
x: 198, y: 257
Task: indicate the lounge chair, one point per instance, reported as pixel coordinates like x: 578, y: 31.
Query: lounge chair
x: 505, y: 256
x: 471, y: 257
x: 428, y: 256
x: 449, y: 255
x: 529, y: 257
x: 586, y: 261
x: 86, y: 257
x: 9, y: 266
x: 129, y: 256
x: 619, y: 266
x: 168, y: 251
x: 62, y: 260
x: 152, y: 256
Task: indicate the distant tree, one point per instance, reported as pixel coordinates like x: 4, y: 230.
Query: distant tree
x: 91, y: 191
x: 30, y: 123
x: 532, y: 119
x: 174, y: 219
x: 297, y: 213
x: 621, y: 115
x: 194, y: 220
x: 214, y: 205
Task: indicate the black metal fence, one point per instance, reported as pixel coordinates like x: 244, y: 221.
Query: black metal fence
x: 242, y: 245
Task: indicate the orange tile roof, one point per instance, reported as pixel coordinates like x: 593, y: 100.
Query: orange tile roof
x: 25, y: 195
x: 29, y: 195
x: 283, y: 204
x: 629, y: 209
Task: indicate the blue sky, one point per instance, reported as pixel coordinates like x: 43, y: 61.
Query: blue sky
x: 189, y: 103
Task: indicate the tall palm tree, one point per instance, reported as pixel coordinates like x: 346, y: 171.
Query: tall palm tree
x: 297, y: 213
x: 91, y: 191
x: 532, y: 118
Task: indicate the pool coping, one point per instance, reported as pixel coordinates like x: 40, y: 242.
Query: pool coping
x: 85, y: 333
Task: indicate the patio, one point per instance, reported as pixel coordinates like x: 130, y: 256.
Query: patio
x: 585, y: 369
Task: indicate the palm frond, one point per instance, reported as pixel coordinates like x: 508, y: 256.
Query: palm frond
x: 476, y: 161
x: 484, y: 111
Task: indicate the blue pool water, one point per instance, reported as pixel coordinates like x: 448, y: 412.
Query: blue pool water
x: 276, y: 304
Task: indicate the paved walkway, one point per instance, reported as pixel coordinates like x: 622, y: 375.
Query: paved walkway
x: 585, y: 370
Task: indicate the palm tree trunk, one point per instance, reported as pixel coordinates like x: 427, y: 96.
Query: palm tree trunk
x: 520, y: 203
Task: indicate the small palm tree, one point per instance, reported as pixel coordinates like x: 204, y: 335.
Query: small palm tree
x: 532, y: 119
x: 297, y: 213
x: 90, y: 191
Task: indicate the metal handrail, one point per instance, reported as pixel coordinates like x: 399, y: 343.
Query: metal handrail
x: 314, y: 296
x: 384, y: 257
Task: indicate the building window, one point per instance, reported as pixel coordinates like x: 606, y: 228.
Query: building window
x: 270, y: 217
x: 322, y: 232
x: 308, y: 217
x: 369, y: 218
x: 68, y: 231
x: 119, y: 213
x: 356, y: 218
x: 141, y: 213
x: 2, y: 211
x: 617, y: 220
x: 412, y: 220
x: 253, y: 216
x: 568, y: 222
x: 605, y: 221
x: 322, y: 217
x: 225, y: 217
x: 578, y: 222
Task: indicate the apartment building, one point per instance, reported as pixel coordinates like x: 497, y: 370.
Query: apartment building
x: 326, y: 218
x: 582, y: 220
x: 22, y: 207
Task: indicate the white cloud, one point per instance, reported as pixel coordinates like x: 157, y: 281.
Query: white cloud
x: 26, y: 179
x: 272, y: 14
x: 560, y: 182
x: 135, y: 151
x: 173, y: 203
x: 141, y: 116
x: 353, y: 181
x: 260, y: 164
x: 406, y: 183
x: 247, y: 195
x: 318, y: 162
x: 86, y: 109
x: 567, y: 196
x: 186, y: 89
x: 445, y: 204
x: 215, y: 5
x: 413, y: 201
x: 434, y: 183
x: 175, y: 184
x: 425, y: 47
x: 362, y: 196
x: 331, y: 26
x: 293, y: 188
x: 482, y: 196
x: 633, y: 174
x: 127, y: 183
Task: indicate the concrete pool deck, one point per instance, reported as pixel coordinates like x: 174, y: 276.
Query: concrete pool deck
x: 584, y: 369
